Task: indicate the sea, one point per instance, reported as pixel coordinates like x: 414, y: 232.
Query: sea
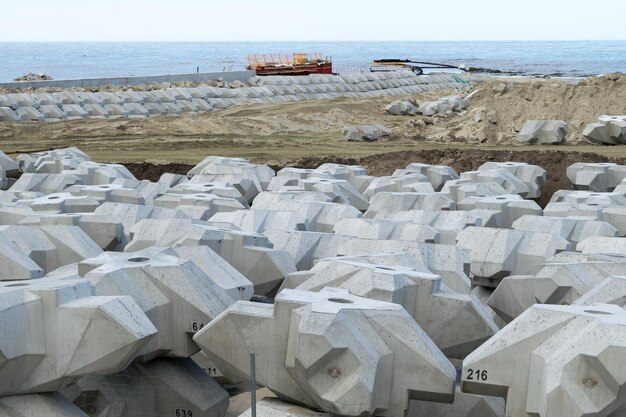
x: 69, y: 60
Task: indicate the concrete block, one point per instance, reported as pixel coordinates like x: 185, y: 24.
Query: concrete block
x: 74, y: 110
x: 52, y: 112
x: 497, y: 253
x: 339, y: 191
x: 610, y: 291
x: 60, y: 332
x: 62, y: 203
x: 40, y: 405
x: 48, y: 248
x: 542, y: 132
x: 409, y: 183
x: 438, y: 175
x: 573, y: 230
x: 273, y: 407
x: 260, y: 220
x: 307, y: 248
x: 379, y: 229
x: 115, y: 193
x: 106, y: 231
x: 563, y: 280
x: 401, y: 108
x: 220, y: 189
x: 502, y: 177
x: 135, y: 110
x: 115, y: 110
x: 251, y: 254
x: 7, y: 114
x: 28, y: 114
x: 210, y: 203
x: 533, y: 176
x: 178, y: 296
x: 96, y: 110
x: 603, y: 245
x: 464, y: 405
x: 322, y: 216
x: 510, y: 208
x: 436, y: 309
x: 559, y: 362
x: 365, y: 133
x: 248, y: 178
x: 384, y: 204
x: 447, y: 223
x: 164, y: 386
x: 459, y: 190
x: 607, y: 130
x: 599, y: 177
x: 361, y: 345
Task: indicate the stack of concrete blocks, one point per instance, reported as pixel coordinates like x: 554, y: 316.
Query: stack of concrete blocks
x: 442, y: 260
x: 173, y: 101
x: 333, y: 351
x: 607, y: 130
x: 554, y: 361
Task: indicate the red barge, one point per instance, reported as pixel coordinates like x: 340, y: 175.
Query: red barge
x: 290, y: 64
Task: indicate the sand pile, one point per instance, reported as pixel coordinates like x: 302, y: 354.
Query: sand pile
x: 500, y: 107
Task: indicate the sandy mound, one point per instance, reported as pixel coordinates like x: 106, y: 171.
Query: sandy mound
x: 500, y: 107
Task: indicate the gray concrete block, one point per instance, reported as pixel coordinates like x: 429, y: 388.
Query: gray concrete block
x: 341, y: 374
x: 424, y: 296
x: 497, y: 253
x: 555, y: 357
x: 365, y: 133
x: 542, y: 132
x: 40, y: 405
x: 60, y: 333
x: 164, y: 386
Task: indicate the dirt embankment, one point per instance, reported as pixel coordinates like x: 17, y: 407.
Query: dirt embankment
x: 555, y: 163
x: 500, y: 107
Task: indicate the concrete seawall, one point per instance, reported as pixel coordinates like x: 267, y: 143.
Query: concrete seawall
x: 128, y: 81
x: 170, y: 102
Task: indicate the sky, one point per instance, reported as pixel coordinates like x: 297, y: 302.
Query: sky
x: 299, y: 20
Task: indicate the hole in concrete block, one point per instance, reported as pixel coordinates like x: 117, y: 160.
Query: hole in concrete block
x: 500, y: 198
x: 17, y: 285
x: 138, y: 259
x: 604, y: 313
x: 340, y: 300
x: 54, y: 197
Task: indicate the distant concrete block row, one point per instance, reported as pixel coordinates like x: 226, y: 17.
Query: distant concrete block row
x: 170, y: 102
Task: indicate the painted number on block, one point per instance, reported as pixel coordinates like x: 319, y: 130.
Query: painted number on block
x: 183, y: 413
x: 476, y: 375
x: 195, y: 326
x: 211, y: 371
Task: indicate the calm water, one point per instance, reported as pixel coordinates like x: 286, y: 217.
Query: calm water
x: 109, y: 59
